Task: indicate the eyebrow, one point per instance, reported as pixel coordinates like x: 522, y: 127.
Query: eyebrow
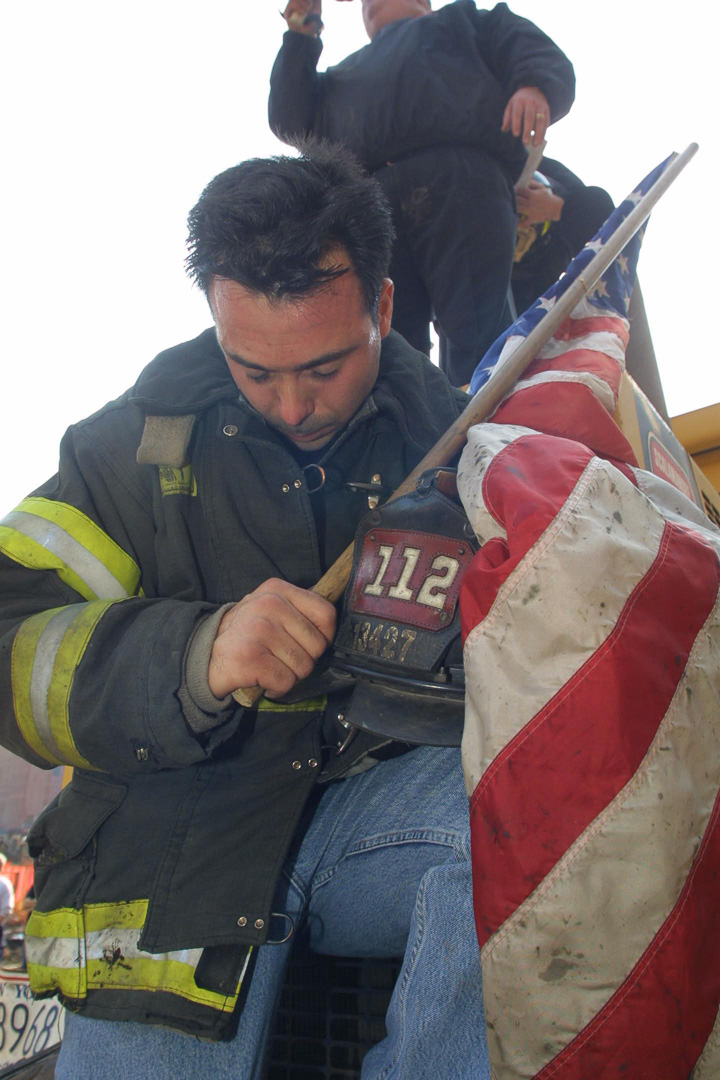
x: 327, y: 358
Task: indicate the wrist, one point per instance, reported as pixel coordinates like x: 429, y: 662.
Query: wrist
x: 307, y: 25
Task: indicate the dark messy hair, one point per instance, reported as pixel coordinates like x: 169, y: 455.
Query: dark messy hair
x: 269, y: 223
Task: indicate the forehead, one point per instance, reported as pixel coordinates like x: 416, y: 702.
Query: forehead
x: 397, y: 9
x: 288, y: 332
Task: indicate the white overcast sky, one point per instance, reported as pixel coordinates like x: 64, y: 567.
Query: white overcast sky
x: 116, y: 116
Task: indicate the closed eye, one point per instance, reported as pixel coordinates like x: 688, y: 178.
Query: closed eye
x: 317, y: 374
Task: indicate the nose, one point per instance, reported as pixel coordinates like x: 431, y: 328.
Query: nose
x: 294, y: 404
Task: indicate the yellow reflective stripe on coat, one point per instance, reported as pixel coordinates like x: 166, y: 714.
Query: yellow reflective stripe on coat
x: 316, y: 704
x: 46, y: 535
x: 46, y: 652
x: 77, y: 950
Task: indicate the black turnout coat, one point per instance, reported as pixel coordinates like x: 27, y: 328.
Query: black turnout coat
x: 156, y: 866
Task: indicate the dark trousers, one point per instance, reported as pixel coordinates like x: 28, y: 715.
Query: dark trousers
x: 454, y: 213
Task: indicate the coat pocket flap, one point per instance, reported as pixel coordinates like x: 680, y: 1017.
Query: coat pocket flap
x: 71, y: 820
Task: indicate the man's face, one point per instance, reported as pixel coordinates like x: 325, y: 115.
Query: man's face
x: 306, y: 365
x: 378, y: 13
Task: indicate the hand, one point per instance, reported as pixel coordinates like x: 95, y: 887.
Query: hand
x: 537, y: 203
x: 526, y: 112
x: 296, y: 16
x: 272, y: 639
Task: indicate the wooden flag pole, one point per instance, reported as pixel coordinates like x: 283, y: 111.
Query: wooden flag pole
x: 333, y: 582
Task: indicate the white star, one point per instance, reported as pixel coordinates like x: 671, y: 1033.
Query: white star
x: 634, y: 197
x: 600, y: 289
x: 627, y: 300
x: 623, y: 263
x: 595, y: 245
x: 547, y: 303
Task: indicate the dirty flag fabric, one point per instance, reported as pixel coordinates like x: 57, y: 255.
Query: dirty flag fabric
x: 591, y: 748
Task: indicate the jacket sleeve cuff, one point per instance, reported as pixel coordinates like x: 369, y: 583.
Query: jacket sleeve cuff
x: 306, y: 46
x: 202, y: 709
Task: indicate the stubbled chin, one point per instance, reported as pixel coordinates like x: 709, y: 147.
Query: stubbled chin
x: 310, y: 443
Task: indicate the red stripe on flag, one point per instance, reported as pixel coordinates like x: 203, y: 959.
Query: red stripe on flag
x: 524, y: 487
x: 592, y: 324
x: 579, y: 361
x: 532, y: 803
x: 656, y: 1024
x: 569, y: 410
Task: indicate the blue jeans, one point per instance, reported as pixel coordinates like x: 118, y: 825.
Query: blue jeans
x: 382, y: 869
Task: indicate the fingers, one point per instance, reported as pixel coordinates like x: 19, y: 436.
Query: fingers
x: 540, y: 126
x: 272, y: 639
x: 528, y: 122
x: 518, y: 117
x: 304, y: 16
x: 523, y: 202
x: 527, y: 115
x: 529, y: 203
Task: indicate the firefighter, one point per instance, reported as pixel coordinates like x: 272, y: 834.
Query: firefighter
x: 167, y: 564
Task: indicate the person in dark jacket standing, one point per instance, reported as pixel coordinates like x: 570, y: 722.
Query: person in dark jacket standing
x: 440, y: 106
x: 167, y: 564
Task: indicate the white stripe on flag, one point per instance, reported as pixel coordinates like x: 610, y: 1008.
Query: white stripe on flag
x: 676, y: 506
x: 513, y: 667
x: 604, y: 342
x: 576, y: 938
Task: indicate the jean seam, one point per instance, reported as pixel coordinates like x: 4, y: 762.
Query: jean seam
x: 296, y: 882
x: 401, y: 989
x: 376, y: 843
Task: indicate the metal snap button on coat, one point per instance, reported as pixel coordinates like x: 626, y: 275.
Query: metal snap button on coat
x: 297, y: 765
x: 242, y: 921
x: 230, y: 429
x: 286, y: 488
x: 312, y: 763
x: 259, y: 923
x: 297, y: 484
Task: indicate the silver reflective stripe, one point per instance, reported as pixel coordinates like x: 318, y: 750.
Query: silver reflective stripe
x: 87, y: 566
x: 56, y: 952
x: 72, y: 952
x: 42, y: 672
x: 99, y: 942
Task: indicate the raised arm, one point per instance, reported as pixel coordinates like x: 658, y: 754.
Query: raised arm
x: 294, y: 81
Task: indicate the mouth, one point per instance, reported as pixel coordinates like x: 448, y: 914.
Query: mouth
x: 310, y: 436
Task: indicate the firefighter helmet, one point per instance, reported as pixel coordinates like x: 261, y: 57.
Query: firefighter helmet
x: 399, y: 635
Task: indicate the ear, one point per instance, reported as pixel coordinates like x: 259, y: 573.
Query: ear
x: 385, y: 307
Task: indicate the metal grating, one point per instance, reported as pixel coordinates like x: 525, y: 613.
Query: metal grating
x: 331, y: 1012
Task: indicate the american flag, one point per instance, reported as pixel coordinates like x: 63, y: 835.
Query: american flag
x: 592, y: 735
